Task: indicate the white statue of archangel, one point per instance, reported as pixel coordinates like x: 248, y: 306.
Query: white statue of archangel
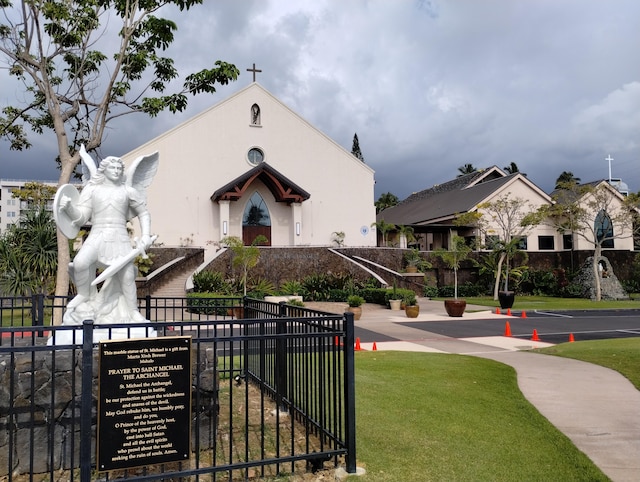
x: 109, y: 199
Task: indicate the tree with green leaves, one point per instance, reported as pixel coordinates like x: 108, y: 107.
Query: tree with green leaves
x: 466, y: 169
x: 355, y: 148
x: 598, y: 214
x: 244, y: 257
x: 386, y: 200
x: 74, y: 90
x: 566, y: 180
x: 35, y: 194
x: 501, y: 224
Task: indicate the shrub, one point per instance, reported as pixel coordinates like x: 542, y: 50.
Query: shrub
x: 355, y: 300
x: 210, y: 303
x: 431, y: 291
x: 210, y: 282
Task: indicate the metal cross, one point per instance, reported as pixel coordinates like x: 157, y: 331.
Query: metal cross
x: 254, y: 70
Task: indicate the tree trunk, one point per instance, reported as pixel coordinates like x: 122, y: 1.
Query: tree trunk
x: 496, y: 287
x: 596, y: 272
x: 64, y: 257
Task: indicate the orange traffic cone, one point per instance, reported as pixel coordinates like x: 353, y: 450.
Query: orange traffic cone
x: 508, y: 311
x: 375, y: 347
x: 358, y: 344
x: 535, y: 336
x: 497, y: 311
x: 507, y: 329
x: 571, y: 338
x: 524, y: 314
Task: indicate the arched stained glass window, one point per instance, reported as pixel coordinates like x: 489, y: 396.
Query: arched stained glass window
x: 604, y: 229
x: 256, y: 213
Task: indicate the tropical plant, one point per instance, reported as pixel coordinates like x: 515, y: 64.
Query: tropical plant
x: 512, y: 168
x: 291, y: 288
x: 28, y: 254
x: 261, y: 288
x: 413, y: 258
x: 466, y: 169
x: 244, y: 257
x: 453, y: 257
x: 406, y: 232
x: 383, y: 227
x: 75, y: 91
x: 338, y: 238
x: 410, y: 299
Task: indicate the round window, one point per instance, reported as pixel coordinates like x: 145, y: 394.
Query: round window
x: 255, y: 156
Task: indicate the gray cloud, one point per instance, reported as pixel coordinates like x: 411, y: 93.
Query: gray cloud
x: 429, y: 85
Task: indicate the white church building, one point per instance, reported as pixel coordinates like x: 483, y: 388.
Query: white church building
x: 250, y: 165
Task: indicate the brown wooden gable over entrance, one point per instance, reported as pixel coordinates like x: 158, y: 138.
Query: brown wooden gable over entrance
x: 283, y: 189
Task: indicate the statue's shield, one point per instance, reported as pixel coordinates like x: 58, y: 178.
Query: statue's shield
x: 61, y: 217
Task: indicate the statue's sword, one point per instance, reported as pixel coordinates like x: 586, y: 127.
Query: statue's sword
x: 121, y: 262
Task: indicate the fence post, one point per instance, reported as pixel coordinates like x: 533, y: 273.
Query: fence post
x: 350, y: 393
x: 147, y: 307
x: 86, y: 401
x: 281, y: 356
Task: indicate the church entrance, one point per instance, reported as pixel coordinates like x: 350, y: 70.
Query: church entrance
x: 256, y: 221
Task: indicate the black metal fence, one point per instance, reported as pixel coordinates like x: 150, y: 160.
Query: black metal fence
x: 272, y: 392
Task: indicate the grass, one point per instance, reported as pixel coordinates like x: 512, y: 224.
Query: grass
x: 622, y: 355
x: 552, y: 303
x: 424, y: 416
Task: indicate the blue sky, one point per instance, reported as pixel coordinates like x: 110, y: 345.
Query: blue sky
x: 427, y: 85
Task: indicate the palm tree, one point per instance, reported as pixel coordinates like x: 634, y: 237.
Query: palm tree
x: 566, y: 179
x: 512, y: 168
x: 384, y: 227
x: 386, y: 200
x: 466, y: 169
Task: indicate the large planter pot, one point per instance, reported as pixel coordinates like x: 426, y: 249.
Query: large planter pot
x: 412, y: 311
x: 411, y: 269
x: 506, y: 299
x: 395, y: 304
x: 356, y: 310
x: 455, y: 307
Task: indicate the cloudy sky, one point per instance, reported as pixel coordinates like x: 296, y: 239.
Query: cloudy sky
x: 428, y: 85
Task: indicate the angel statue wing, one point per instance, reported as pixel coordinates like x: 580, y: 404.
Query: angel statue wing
x: 89, y: 167
x: 141, y: 172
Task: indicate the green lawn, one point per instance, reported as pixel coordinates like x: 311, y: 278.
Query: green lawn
x: 425, y: 416
x: 551, y: 303
x: 622, y: 355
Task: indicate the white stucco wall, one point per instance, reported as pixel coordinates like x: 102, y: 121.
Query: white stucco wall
x: 210, y: 150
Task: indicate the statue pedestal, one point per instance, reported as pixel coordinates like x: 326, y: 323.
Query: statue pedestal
x: 74, y: 336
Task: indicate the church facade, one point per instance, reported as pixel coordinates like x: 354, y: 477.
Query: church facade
x: 250, y: 166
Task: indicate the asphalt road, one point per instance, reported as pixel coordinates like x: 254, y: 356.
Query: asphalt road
x: 552, y: 327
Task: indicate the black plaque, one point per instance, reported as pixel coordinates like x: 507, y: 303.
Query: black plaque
x: 144, y: 402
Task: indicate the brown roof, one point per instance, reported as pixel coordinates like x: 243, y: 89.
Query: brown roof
x: 282, y: 188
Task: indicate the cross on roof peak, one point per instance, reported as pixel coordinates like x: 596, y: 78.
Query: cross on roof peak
x: 254, y: 70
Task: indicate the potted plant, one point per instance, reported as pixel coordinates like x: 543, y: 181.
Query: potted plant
x: 394, y: 300
x: 411, y: 307
x: 452, y: 257
x: 415, y: 261
x: 355, y: 306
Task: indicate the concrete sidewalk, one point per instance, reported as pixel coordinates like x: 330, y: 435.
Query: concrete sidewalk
x: 597, y: 408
